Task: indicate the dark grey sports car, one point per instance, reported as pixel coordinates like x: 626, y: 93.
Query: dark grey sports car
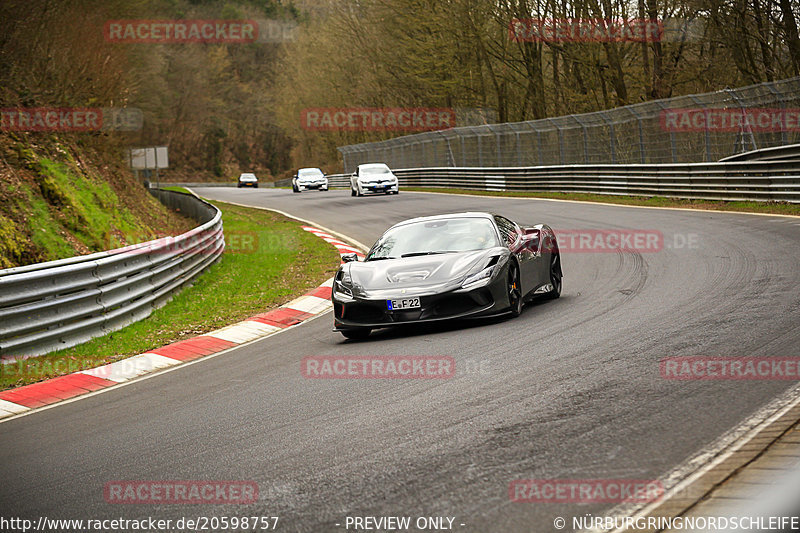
x: 462, y: 265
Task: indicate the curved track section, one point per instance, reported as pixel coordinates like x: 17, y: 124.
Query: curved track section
x: 571, y: 389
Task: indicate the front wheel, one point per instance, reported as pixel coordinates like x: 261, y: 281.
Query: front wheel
x: 514, y: 289
x: 352, y: 192
x: 356, y: 334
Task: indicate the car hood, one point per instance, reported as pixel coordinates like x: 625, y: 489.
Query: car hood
x: 418, y: 275
x: 311, y: 178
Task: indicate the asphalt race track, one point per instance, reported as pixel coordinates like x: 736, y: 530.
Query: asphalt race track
x: 571, y: 389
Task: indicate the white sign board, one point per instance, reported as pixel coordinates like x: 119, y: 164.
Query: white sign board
x: 149, y: 158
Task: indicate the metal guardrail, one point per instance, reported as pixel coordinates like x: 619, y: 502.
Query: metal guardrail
x: 58, y: 304
x: 777, y: 153
x: 335, y: 181
x: 750, y: 180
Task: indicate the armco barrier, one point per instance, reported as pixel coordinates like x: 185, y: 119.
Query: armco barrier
x: 771, y: 180
x: 58, y: 304
x: 335, y: 181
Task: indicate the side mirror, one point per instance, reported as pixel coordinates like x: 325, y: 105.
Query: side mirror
x: 349, y: 258
x: 531, y: 239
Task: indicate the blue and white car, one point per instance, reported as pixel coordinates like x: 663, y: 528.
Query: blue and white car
x: 373, y: 178
x: 308, y: 179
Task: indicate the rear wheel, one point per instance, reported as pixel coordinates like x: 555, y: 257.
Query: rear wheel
x: 356, y: 334
x: 514, y: 290
x: 555, y: 276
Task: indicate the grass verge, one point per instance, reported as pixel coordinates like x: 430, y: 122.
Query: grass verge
x: 177, y: 189
x: 268, y: 261
x: 776, y: 208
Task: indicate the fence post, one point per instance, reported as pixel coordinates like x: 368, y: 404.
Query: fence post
x: 560, y: 142
x: 585, y: 139
x: 744, y: 129
x: 539, y: 145
x: 497, y: 148
x: 782, y: 100
x: 707, y: 134
x: 612, y: 140
x: 638, y: 117
x: 671, y: 135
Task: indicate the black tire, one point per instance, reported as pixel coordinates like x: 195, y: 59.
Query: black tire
x: 356, y: 334
x: 555, y: 276
x: 352, y: 192
x: 514, y: 290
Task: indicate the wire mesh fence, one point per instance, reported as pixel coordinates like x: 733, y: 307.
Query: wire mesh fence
x: 684, y: 129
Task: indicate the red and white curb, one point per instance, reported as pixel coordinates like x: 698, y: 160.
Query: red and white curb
x: 23, y: 399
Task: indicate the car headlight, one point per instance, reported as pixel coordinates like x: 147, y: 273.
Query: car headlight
x: 343, y: 284
x: 478, y: 277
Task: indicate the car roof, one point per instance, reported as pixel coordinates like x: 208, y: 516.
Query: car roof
x: 465, y: 214
x: 374, y: 165
x: 308, y: 168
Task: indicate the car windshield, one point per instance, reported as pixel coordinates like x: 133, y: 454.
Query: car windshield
x: 435, y: 236
x: 247, y: 176
x: 374, y: 170
x: 309, y: 172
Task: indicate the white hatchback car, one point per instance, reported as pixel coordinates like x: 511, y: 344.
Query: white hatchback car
x: 247, y: 179
x: 375, y: 178
x: 309, y: 179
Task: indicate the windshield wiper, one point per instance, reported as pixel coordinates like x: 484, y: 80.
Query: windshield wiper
x: 413, y: 254
x: 378, y: 258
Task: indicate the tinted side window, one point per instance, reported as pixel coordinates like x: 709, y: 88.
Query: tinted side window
x: 508, y: 230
